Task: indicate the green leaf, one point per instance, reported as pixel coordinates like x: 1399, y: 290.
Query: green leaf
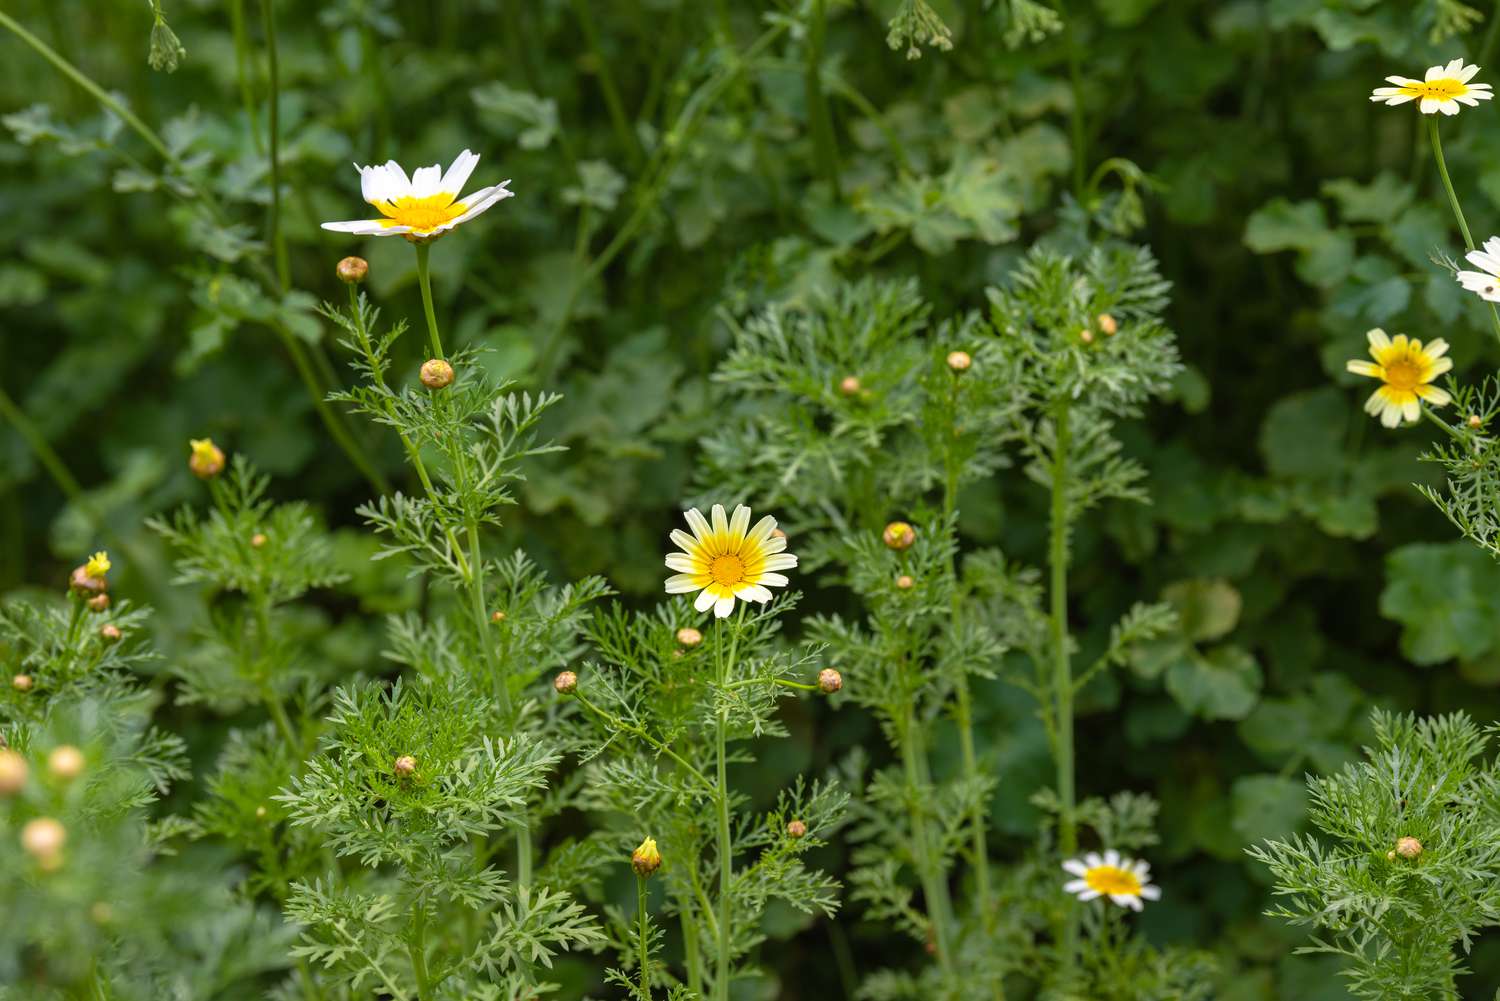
x: 1267, y: 806
x: 1446, y: 596
x: 1222, y: 684
x: 1207, y: 608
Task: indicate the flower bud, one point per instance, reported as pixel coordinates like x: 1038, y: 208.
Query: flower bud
x: 1390, y: 856
x: 688, y: 636
x: 405, y: 766
x: 1408, y: 848
x: 1107, y: 324
x: 645, y: 860
x: 65, y: 762
x: 13, y: 772
x: 98, y: 603
x: 497, y: 616
x: 352, y: 270
x: 21, y: 682
x: 436, y: 374
x: 206, y: 460
x: 849, y: 385
x: 260, y: 812
x: 796, y: 829
x: 43, y: 839
x: 829, y: 681
x: 1086, y: 335
x: 777, y: 533
x: 959, y: 361
x: 1475, y: 422
x: 89, y: 579
x: 110, y: 633
x: 899, y: 535
x: 257, y: 540
x: 566, y: 683
x: 905, y: 582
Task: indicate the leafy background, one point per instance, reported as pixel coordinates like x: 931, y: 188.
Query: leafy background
x: 657, y: 185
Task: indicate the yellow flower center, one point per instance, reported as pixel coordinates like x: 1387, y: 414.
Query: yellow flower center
x: 1405, y: 374
x: 727, y: 570
x: 98, y: 565
x: 421, y: 214
x: 1439, y: 90
x: 1109, y: 879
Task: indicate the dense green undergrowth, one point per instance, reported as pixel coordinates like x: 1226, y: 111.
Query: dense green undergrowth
x: 385, y: 707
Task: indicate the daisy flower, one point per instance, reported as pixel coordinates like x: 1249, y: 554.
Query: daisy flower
x: 1443, y: 89
x: 423, y: 206
x: 1485, y: 282
x: 1120, y: 879
x: 1405, y: 369
x: 728, y: 559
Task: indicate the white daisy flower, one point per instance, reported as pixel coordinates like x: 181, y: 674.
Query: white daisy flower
x: 423, y: 206
x: 728, y: 559
x: 1485, y: 282
x: 1443, y: 89
x: 1122, y: 880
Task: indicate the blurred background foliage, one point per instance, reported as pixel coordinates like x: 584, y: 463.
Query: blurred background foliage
x: 679, y: 161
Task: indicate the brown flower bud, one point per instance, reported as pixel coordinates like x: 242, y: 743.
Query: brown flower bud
x: 85, y: 584
x: 1475, y: 422
x: 849, y: 385
x: 497, y: 616
x: 959, y: 361
x: 688, y: 636
x: 65, y: 762
x: 405, y: 765
x: 21, y: 682
x: 110, y: 633
x: 905, y: 583
x: 257, y: 540
x: 1107, y: 324
x: 436, y: 374
x: 1408, y: 847
x: 98, y: 603
x: 206, y: 460
x: 899, y: 535
x: 796, y: 829
x: 1086, y: 336
x: 566, y: 683
x: 352, y: 270
x: 645, y: 860
x: 13, y: 772
x: 829, y: 681
x: 43, y: 839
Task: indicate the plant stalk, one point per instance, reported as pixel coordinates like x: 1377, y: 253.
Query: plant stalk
x: 424, y: 250
x: 273, y: 116
x: 1062, y: 675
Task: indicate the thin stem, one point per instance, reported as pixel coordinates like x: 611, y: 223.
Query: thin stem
x: 1062, y: 668
x: 1437, y: 153
x: 46, y: 454
x: 242, y: 70
x: 1075, y: 80
x: 417, y: 949
x: 336, y: 428
x: 1488, y: 48
x: 726, y: 860
x: 1453, y: 432
x: 819, y: 120
x: 645, y: 957
x: 690, y: 956
x: 273, y: 115
x: 423, y: 279
x: 619, y: 120
x: 934, y: 888
x: 784, y: 683
x: 631, y: 728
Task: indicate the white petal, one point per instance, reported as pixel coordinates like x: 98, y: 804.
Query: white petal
x: 1436, y: 397
x: 1377, y: 338
x: 1075, y: 886
x: 1428, y: 105
x: 458, y: 172
x: 762, y: 531
x: 705, y: 599
x: 1434, y: 72
x: 397, y: 184
x: 682, y: 540
x: 752, y: 592
x: 739, y: 523
x: 780, y: 561
x: 1075, y: 866
x: 366, y: 227
x: 1467, y: 73
x: 1412, y: 410
x: 1090, y: 894
x: 698, y: 524
x: 1151, y: 892
x: 1112, y: 858
x: 487, y: 197
x: 682, y: 584
x: 1093, y: 860
x: 684, y: 563
x: 719, y: 519
x: 1449, y: 107
x: 773, y: 580
x: 427, y: 181
x: 1437, y: 348
x: 723, y: 606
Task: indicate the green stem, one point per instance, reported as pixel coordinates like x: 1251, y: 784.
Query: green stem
x: 1062, y: 668
x: 336, y: 427
x: 242, y: 70
x: 1442, y: 165
x: 726, y: 849
x: 45, y: 454
x: 934, y: 887
x: 424, y: 279
x: 631, y: 728
x: 1075, y: 80
x: 1491, y: 33
x: 1453, y: 432
x: 417, y: 949
x: 645, y: 957
x: 273, y: 115
x: 690, y: 956
x: 620, y: 121
x: 820, y: 122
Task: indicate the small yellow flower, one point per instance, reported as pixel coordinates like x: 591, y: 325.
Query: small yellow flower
x: 1443, y: 89
x: 1120, y: 879
x: 423, y: 206
x: 646, y: 859
x: 727, y: 560
x: 1405, y: 367
x: 206, y: 460
x: 98, y: 565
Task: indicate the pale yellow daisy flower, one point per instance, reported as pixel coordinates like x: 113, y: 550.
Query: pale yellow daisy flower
x: 728, y: 559
x: 1485, y: 282
x: 1122, y: 880
x: 423, y: 206
x: 1443, y: 89
x: 1405, y: 367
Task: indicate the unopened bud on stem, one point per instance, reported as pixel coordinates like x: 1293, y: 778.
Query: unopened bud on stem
x: 1408, y: 848
x: 796, y: 829
x: 436, y: 374
x: 206, y: 459
x: 65, y: 762
x: 829, y: 681
x: 566, y: 683
x: 645, y: 860
x: 13, y: 772
x: 406, y: 765
x: 899, y: 535
x: 688, y: 636
x: 959, y: 361
x: 352, y: 270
